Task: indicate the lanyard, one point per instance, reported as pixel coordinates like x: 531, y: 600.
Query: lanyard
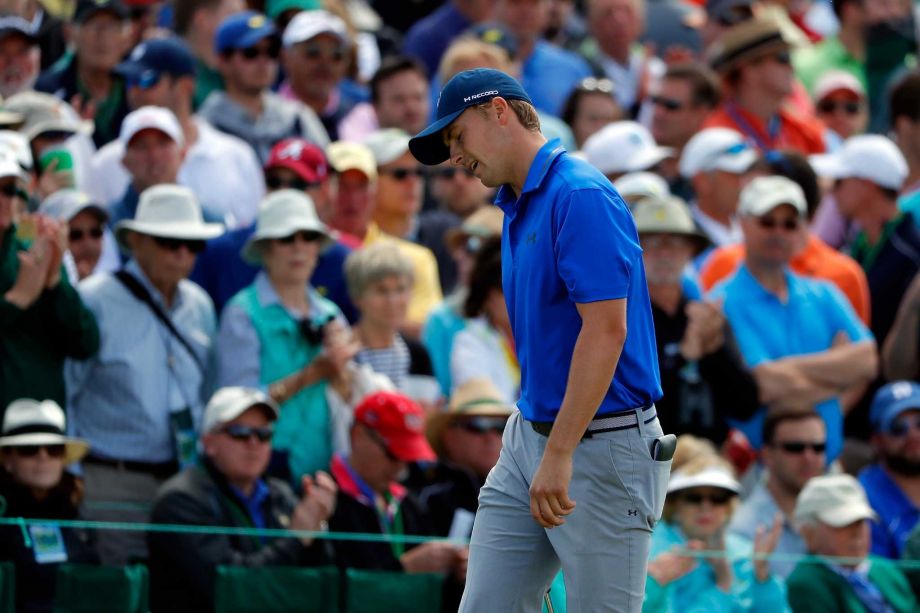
x: 391, y: 522
x: 773, y: 127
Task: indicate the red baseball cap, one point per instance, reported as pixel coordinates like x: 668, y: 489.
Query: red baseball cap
x: 400, y: 422
x: 301, y: 156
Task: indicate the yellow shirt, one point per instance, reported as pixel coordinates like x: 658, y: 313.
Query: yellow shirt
x: 426, y: 291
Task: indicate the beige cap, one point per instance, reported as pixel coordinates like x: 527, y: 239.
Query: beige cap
x: 485, y: 222
x: 764, y: 194
x: 388, y: 145
x: 836, y: 500
x: 352, y: 156
x: 228, y: 403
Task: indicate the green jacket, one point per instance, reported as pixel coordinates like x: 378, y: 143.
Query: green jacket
x: 34, y: 342
x: 813, y: 587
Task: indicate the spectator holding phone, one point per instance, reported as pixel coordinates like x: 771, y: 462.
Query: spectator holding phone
x: 280, y: 335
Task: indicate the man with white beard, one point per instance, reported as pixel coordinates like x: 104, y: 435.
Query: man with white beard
x: 20, y: 56
x: 695, y: 346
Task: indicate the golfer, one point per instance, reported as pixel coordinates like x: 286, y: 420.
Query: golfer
x: 577, y: 483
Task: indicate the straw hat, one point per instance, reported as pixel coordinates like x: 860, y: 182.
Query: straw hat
x: 475, y: 397
x: 30, y: 422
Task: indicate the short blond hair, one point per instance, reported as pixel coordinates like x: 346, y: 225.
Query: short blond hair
x: 468, y: 50
x: 373, y: 263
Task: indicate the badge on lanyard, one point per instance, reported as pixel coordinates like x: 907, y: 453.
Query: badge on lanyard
x: 48, y: 544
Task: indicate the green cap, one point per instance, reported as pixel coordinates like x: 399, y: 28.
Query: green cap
x: 273, y: 8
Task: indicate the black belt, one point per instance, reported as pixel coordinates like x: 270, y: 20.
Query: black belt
x: 161, y: 470
x: 623, y: 420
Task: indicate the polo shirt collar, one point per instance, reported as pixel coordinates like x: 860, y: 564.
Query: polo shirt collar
x: 753, y: 285
x: 268, y: 296
x: 538, y: 169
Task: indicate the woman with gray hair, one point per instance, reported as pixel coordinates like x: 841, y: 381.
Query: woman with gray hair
x: 279, y: 335
x: 380, y: 279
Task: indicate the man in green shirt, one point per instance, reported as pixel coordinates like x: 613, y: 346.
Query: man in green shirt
x: 846, y: 51
x: 196, y: 22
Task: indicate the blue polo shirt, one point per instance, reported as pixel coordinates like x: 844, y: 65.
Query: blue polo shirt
x: 897, y: 515
x: 767, y: 329
x: 570, y: 238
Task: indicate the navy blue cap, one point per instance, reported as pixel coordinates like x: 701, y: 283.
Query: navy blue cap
x: 88, y: 8
x: 156, y: 57
x: 891, y: 400
x: 243, y: 30
x: 465, y: 89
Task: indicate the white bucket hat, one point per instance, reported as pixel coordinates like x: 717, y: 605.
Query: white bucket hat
x: 281, y: 214
x: 168, y: 211
x: 30, y: 422
x: 228, y: 403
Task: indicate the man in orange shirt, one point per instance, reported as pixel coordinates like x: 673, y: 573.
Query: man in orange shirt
x: 754, y: 61
x: 815, y: 258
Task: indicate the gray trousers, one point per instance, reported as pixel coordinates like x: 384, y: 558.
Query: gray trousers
x: 117, y: 495
x: 602, y: 548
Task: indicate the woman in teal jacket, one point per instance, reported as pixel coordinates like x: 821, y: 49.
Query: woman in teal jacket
x: 701, y: 498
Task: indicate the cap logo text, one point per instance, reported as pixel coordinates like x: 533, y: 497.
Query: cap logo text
x: 491, y: 92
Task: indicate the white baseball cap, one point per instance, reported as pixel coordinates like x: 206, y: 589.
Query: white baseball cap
x: 869, y: 156
x: 642, y: 184
x: 714, y: 476
x: 308, y: 24
x: 168, y: 211
x: 836, y: 500
x: 228, y: 403
x: 763, y: 194
x: 624, y: 146
x: 716, y: 149
x: 838, y: 80
x: 65, y: 204
x: 388, y: 145
x: 282, y: 213
x: 151, y: 118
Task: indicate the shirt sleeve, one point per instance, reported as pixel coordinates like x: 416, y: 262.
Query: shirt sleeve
x: 426, y: 291
x: 842, y: 315
x: 238, y: 350
x: 596, y: 245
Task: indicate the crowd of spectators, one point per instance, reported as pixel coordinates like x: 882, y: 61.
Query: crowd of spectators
x: 231, y: 297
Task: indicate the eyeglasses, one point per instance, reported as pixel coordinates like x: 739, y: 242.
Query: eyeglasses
x: 481, y: 424
x: 273, y: 182
x: 315, y: 52
x: 669, y: 103
x: 401, y: 174
x: 30, y: 451
x: 239, y: 432
x: 174, y: 244
x: 903, y: 424
x: 144, y: 80
x: 451, y: 172
x: 798, y: 447
x: 832, y: 106
x: 383, y: 444
x: 75, y: 235
x: 768, y: 223
x: 715, y: 498
x: 304, y: 235
x: 593, y: 84
x: 271, y: 51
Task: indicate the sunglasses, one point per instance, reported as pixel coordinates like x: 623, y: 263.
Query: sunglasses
x: 242, y: 433
x: 902, y: 425
x: 783, y: 57
x: 768, y: 223
x: 304, y: 235
x: 298, y: 184
x: 30, y: 451
x: 450, y: 173
x: 272, y: 51
x: 10, y: 190
x: 482, y: 425
x: 315, y: 52
x: 145, y: 80
x: 831, y: 106
x: 76, y: 235
x: 401, y: 174
x: 593, y: 84
x: 174, y: 244
x: 798, y: 447
x: 383, y: 444
x: 717, y: 499
x: 669, y: 103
